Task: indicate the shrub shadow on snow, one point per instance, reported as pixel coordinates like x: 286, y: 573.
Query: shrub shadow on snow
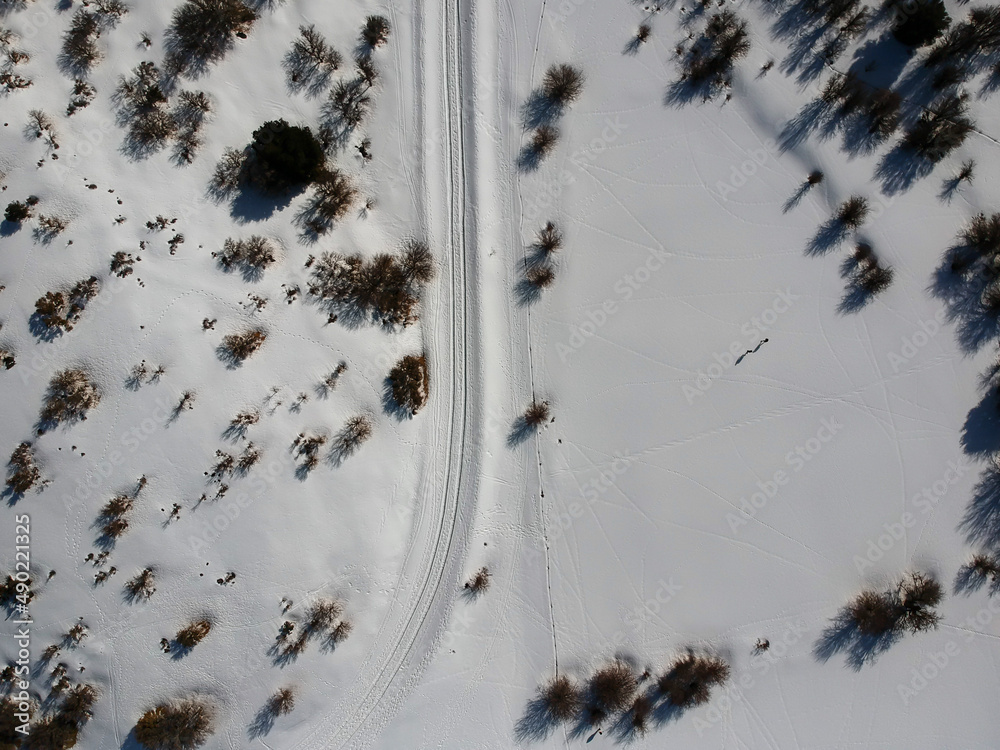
x: 41, y: 331
x: 263, y: 722
x: 526, y: 293
x: 10, y: 496
x: 539, y: 110
x: 131, y: 743
x: 8, y: 228
x: 795, y: 198
x: 855, y: 295
x: 843, y: 636
x: 900, y: 168
x: 830, y: 234
x: 529, y: 158
x: 520, y: 431
x: 981, y: 521
x: 959, y: 281
x: 390, y: 405
x: 810, y: 117
x: 981, y: 431
x: 536, y: 723
x: 968, y: 580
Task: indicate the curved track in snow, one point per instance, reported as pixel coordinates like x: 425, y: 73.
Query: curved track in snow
x: 432, y: 568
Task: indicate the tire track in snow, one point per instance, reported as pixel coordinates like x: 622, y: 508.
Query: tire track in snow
x: 415, y: 639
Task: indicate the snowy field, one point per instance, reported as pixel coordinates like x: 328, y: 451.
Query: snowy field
x: 739, y: 441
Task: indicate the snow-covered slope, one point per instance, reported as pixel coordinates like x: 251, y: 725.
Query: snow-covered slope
x: 678, y: 499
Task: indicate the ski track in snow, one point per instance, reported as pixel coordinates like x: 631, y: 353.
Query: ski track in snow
x: 405, y: 654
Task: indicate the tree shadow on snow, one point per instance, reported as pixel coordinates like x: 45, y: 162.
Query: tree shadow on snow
x: 981, y: 522
x: 843, y: 636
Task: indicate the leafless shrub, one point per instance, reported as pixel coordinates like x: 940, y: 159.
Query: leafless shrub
x: 141, y: 586
x: 14, y: 82
x: 79, y: 50
x: 385, y: 288
x: 875, y: 278
x: 613, y: 686
x: 282, y: 702
x: 642, y: 708
x: 985, y: 566
x: 224, y: 465
x: 117, y: 506
x: 690, y: 679
x: 22, y: 471
x: 229, y: 172
x: 356, y: 431
x: 83, y: 94
x: 549, y: 238
x: 181, y: 725
x: 375, y: 31
x: 114, y: 528
x: 254, y: 254
x: 873, y: 613
x: 341, y: 632
x: 537, y: 414
x: 311, y: 59
x: 853, y: 212
x: 480, y: 582
x: 724, y: 41
x: 416, y: 263
x: 540, y: 276
x: 70, y: 396
x: 322, y: 614
x: 409, y: 383
x: 39, y: 123
x: 240, y: 346
x: 76, y: 706
x: 941, y: 129
x: 967, y: 171
x: 76, y: 634
x: 983, y: 234
x: 193, y: 634
x: 249, y: 458
x: 121, y: 264
x: 919, y: 594
x: 333, y: 195
x: 543, y: 141
x: 202, y: 31
x: 562, y: 84
x: 349, y: 102
x: 50, y: 226
x: 561, y: 698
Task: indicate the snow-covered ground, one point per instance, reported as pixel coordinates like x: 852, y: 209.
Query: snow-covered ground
x: 678, y: 499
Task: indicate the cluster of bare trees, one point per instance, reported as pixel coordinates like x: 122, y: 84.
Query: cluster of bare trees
x: 709, y: 62
x: 617, y: 693
x: 10, y: 58
x: 253, y: 254
x: 22, y: 470
x: 323, y: 620
x: 237, y: 347
x: 182, y: 724
x: 60, y: 311
x: 386, y: 288
x: 144, y: 108
x: 71, y: 394
x: 562, y: 85
x: 203, y: 31
x: 80, y: 51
